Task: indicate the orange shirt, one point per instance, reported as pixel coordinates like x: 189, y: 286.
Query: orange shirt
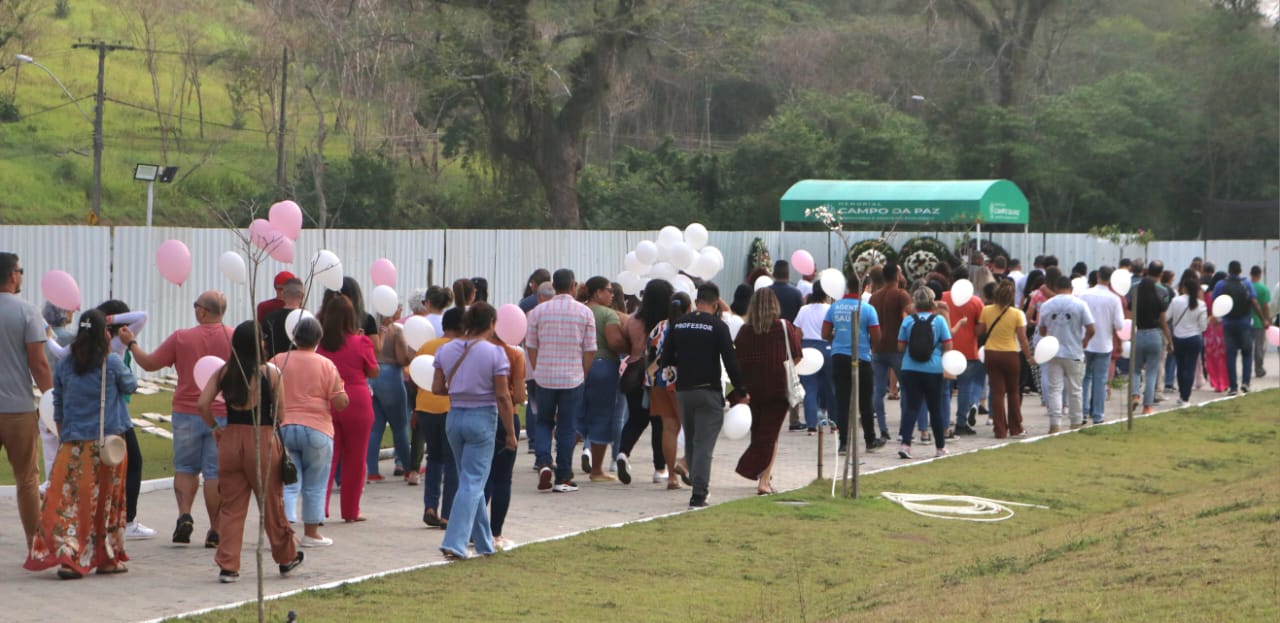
x: 310, y: 381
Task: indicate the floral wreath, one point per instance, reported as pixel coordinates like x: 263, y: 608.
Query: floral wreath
x: 919, y: 264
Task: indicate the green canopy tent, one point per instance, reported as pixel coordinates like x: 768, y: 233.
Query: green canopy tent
x: 907, y: 202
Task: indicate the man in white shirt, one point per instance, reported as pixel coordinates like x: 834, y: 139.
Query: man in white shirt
x: 1068, y: 319
x: 1107, y: 310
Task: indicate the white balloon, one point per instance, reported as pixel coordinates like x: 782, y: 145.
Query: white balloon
x: 833, y: 282
x: 385, y: 300
x: 961, y: 292
x: 647, y: 252
x: 735, y: 323
x: 662, y: 270
x: 719, y: 257
x: 954, y: 363
x: 46, y: 411
x: 670, y: 235
x: 982, y: 354
x: 291, y: 322
x: 632, y: 263
x: 664, y: 251
x: 737, y: 423
x: 762, y: 282
x: 684, y: 284
x: 1125, y: 346
x: 326, y: 269
x: 704, y: 267
x: 1046, y: 350
x: 232, y: 266
x: 422, y: 371
x: 1121, y: 279
x: 696, y: 236
x: 1222, y: 305
x: 417, y: 330
x: 630, y: 282
x: 810, y: 363
x: 682, y: 255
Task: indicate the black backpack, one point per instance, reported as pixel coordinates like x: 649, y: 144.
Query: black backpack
x: 920, y: 341
x: 1239, y: 294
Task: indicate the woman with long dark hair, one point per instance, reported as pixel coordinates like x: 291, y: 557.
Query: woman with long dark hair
x: 1150, y: 339
x: 249, y: 453
x: 635, y: 329
x: 762, y: 346
x: 474, y: 373
x: 659, y: 308
x: 390, y: 400
x: 600, y: 406
x: 1190, y: 319
x: 82, y: 522
x: 352, y: 353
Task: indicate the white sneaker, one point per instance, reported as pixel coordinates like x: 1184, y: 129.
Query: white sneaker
x: 502, y: 543
x: 136, y: 531
x: 320, y: 542
x: 660, y: 477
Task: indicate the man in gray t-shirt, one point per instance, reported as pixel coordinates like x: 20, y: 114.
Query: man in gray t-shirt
x: 22, y: 359
x: 1068, y: 319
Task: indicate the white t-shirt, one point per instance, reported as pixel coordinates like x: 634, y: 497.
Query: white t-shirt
x: 809, y: 320
x: 805, y: 288
x: 1185, y: 322
x: 1019, y: 284
x: 1108, y: 316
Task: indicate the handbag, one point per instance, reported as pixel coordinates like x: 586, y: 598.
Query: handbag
x: 111, y: 448
x: 795, y: 391
x: 288, y: 469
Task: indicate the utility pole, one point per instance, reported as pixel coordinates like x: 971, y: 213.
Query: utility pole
x: 102, y: 47
x: 280, y: 129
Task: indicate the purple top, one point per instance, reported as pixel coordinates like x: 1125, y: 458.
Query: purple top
x: 472, y: 385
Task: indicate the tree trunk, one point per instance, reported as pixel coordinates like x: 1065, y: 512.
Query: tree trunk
x: 557, y: 165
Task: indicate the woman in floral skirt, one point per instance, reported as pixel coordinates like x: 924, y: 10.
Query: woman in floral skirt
x: 82, y: 523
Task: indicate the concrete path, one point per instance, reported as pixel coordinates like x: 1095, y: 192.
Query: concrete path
x: 167, y: 579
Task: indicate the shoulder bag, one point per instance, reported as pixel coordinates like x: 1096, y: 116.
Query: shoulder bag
x: 288, y: 469
x: 795, y: 391
x: 982, y: 339
x: 111, y: 448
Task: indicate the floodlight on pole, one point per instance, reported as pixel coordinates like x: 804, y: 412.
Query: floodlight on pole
x: 152, y: 173
x: 23, y: 58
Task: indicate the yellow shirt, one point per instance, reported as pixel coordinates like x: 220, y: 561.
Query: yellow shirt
x: 1003, y: 336
x: 427, y: 401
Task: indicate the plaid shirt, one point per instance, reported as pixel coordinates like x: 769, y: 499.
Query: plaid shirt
x: 561, y: 330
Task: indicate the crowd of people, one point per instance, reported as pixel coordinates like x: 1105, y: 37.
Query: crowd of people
x: 300, y: 408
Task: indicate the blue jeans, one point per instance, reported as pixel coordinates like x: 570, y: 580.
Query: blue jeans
x: 1096, y: 366
x: 1147, y: 347
x: 390, y: 407
x: 1170, y: 369
x: 969, y: 387
x: 471, y: 434
x: 1238, y: 338
x: 1186, y: 350
x: 194, y: 451
x: 881, y: 363
x: 600, y: 403
x: 440, y: 464
x: 563, y: 406
x: 312, y: 451
x: 819, y: 389
x: 497, y: 491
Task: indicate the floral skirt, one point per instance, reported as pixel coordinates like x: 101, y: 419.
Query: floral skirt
x: 82, y: 520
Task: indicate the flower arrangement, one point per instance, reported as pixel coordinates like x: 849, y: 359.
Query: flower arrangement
x: 939, y: 250
x: 867, y: 253
x: 919, y: 264
x: 758, y: 256
x: 862, y: 265
x: 989, y: 250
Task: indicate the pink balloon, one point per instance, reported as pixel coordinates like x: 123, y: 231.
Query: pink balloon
x: 205, y: 368
x: 802, y: 261
x: 60, y: 289
x: 281, y: 249
x: 383, y: 273
x: 1273, y: 335
x: 511, y: 324
x: 174, y: 261
x: 286, y: 217
x: 260, y: 233
x: 1125, y: 330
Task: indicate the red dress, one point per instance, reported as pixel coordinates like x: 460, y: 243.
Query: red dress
x: 761, y: 357
x: 352, y: 425
x: 1215, y: 351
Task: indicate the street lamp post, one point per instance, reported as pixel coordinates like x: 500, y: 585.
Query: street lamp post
x: 152, y: 173
x: 96, y: 121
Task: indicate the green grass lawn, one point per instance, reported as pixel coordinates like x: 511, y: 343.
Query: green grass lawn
x: 1177, y: 520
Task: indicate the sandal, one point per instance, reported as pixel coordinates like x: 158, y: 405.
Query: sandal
x: 673, y: 486
x: 67, y: 573
x: 925, y: 436
x: 683, y: 473
x: 113, y: 569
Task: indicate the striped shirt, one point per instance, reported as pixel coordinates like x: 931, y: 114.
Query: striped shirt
x: 561, y: 330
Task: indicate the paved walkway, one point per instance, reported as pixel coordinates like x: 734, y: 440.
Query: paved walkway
x: 167, y: 579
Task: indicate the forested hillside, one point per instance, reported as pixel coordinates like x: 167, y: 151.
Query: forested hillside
x: 637, y: 113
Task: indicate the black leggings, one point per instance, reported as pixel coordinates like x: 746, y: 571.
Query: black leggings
x: 638, y: 419
x: 842, y: 371
x: 133, y: 474
x: 497, y: 490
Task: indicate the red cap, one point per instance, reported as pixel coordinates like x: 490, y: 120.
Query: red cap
x: 282, y: 277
